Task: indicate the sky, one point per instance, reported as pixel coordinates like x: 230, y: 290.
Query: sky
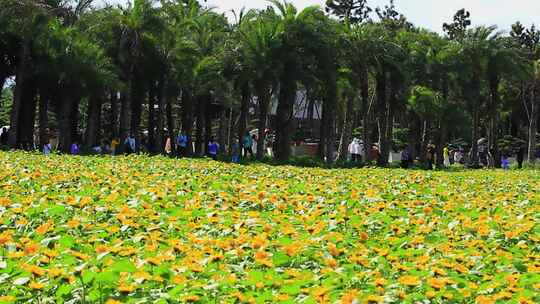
x: 429, y: 14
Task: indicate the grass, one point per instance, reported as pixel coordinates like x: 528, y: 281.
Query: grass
x: 158, y: 230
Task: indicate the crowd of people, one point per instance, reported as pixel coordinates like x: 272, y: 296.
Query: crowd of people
x: 428, y: 158
x: 456, y: 155
x: 174, y: 147
x: 246, y: 148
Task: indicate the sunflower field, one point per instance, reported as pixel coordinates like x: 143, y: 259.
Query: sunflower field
x: 145, y: 229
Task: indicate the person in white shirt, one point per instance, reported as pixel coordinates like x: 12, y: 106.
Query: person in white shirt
x: 356, y: 150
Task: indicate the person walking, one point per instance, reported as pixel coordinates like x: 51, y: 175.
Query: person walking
x: 181, y: 143
x: 47, y: 148
x: 235, y: 151
x: 505, y: 161
x: 114, y: 146
x: 520, y: 156
x: 75, y: 149
x: 430, y: 156
x: 254, y: 143
x: 355, y: 151
x: 406, y: 158
x: 168, y: 146
x: 351, y: 149
x: 247, y: 145
x: 446, y: 156
x: 213, y: 148
x: 375, y: 153
x: 130, y: 144
x: 458, y: 156
x: 4, y: 136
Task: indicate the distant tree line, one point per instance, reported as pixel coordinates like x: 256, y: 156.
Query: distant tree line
x: 161, y: 67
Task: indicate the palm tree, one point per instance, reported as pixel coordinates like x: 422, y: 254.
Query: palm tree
x: 260, y: 40
x: 202, y: 71
x: 239, y: 70
x: 140, y: 26
x: 474, y: 53
x: 299, y: 29
x: 365, y: 52
x: 502, y: 60
x: 28, y: 19
x: 534, y: 113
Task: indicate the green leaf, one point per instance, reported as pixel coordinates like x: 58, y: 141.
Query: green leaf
x: 255, y: 276
x: 124, y: 265
x: 64, y: 290
x: 66, y: 241
x: 280, y: 259
x: 107, y: 278
x: 88, y: 276
x: 176, y: 290
x: 56, y: 210
x: 520, y: 267
x: 93, y: 296
x: 163, y: 271
x: 292, y: 289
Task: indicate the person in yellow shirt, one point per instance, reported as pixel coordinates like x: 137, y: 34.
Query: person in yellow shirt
x: 114, y: 144
x: 446, y: 157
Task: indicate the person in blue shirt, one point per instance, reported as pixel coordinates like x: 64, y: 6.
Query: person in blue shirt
x: 505, y: 160
x: 130, y: 144
x: 47, y: 147
x: 181, y: 144
x: 74, y: 148
x: 235, y: 151
x: 213, y: 148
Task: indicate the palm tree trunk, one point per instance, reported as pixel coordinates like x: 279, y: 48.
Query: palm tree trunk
x: 346, y: 132
x: 169, y: 112
x: 330, y: 109
x: 93, y: 125
x: 222, y: 137
x: 27, y: 116
x: 311, y: 114
x: 263, y: 95
x: 364, y: 91
x: 162, y: 92
x: 2, y: 83
x: 74, y: 117
x: 152, y: 117
x: 187, y: 118
x: 494, y: 121
x: 43, y: 116
x: 383, y: 116
x: 474, y: 138
x: 533, y: 124
x: 323, y: 130
x: 113, y: 128
x: 208, y: 123
x: 66, y: 117
x: 23, y: 68
x: 415, y: 135
x: 284, y: 119
x: 244, y: 111
x: 125, y: 101
x: 230, y: 131
x: 475, y: 106
x: 137, y: 96
x: 201, y: 125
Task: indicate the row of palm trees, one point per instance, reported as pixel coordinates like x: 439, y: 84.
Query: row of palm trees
x: 174, y: 65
